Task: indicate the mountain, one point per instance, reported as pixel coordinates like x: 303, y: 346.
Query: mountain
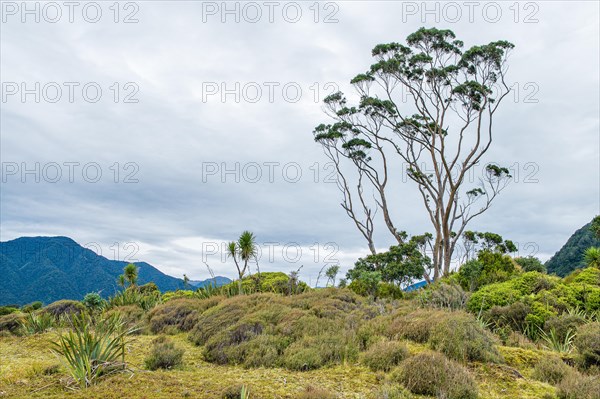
x: 218, y: 280
x: 570, y: 256
x: 51, y: 268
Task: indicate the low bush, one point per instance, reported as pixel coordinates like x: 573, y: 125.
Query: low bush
x: 511, y: 316
x: 132, y: 315
x: 163, y: 355
x: 4, y: 310
x: 390, y: 391
x: 587, y: 342
x: 11, y: 322
x: 415, y: 326
x: 551, y: 369
x: 178, y: 314
x: 31, y: 307
x: 564, y: 324
x: 431, y: 373
x: 384, y: 355
x: 577, y: 386
x: 64, y: 307
x: 444, y: 296
x: 460, y: 337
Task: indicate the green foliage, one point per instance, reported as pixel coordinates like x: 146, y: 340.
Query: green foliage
x: 587, y: 343
x: 460, y: 337
x: 163, y: 355
x: 591, y: 257
x: 92, y: 350
x: 148, y: 288
x: 273, y: 282
x: 551, y: 370
x: 366, y: 283
x: 130, y: 273
x: 132, y: 296
x: 33, y: 306
x: 400, y: 265
x: 179, y: 314
x: 37, y: 322
x: 432, y: 374
x: 384, y: 355
x: 530, y: 264
x: 557, y: 343
x: 415, y: 326
x: 489, y: 267
x: 93, y: 301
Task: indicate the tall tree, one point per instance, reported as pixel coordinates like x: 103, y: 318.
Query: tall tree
x: 242, y: 252
x: 440, y: 134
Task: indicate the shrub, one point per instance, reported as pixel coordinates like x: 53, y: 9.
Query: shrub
x: 64, y: 307
x: 530, y: 264
x: 163, y: 355
x: 577, y: 386
x: 445, y: 296
x: 178, y: 314
x: 133, y: 317
x: 148, y: 288
x: 11, y: 322
x: 431, y: 373
x: 510, y: 316
x: 415, y: 326
x: 132, y: 296
x: 587, y: 343
x: 489, y: 267
x: 388, y: 391
x: 460, y: 337
x: 385, y: 355
x: 551, y: 370
x: 93, y: 301
x: 311, y: 392
x: 35, y: 323
x: 588, y: 275
x: 235, y: 392
x: 31, y: 307
x: 4, y: 310
x: 92, y: 351
x: 564, y: 324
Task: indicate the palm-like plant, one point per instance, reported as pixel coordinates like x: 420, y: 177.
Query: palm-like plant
x: 591, y: 257
x: 242, y: 252
x: 131, y: 274
x: 91, y: 351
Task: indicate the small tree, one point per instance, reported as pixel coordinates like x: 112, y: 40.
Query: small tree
x: 242, y: 252
x: 531, y: 264
x: 331, y: 274
x: 130, y: 274
x: 186, y: 281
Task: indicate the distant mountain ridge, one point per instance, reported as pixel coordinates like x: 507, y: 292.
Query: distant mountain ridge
x: 570, y: 256
x: 51, y: 268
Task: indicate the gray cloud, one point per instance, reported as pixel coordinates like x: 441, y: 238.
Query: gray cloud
x: 171, y: 132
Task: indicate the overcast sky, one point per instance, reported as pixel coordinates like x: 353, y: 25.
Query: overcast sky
x: 203, y: 126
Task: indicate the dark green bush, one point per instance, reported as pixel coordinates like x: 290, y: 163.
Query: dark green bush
x: 432, y: 374
x: 551, y: 369
x: 163, y: 354
x: 563, y: 324
x: 415, y: 326
x: 148, y: 288
x: 512, y: 316
x: 178, y: 314
x: 587, y: 342
x: 64, y: 307
x: 132, y: 315
x: 384, y: 355
x: 577, y: 386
